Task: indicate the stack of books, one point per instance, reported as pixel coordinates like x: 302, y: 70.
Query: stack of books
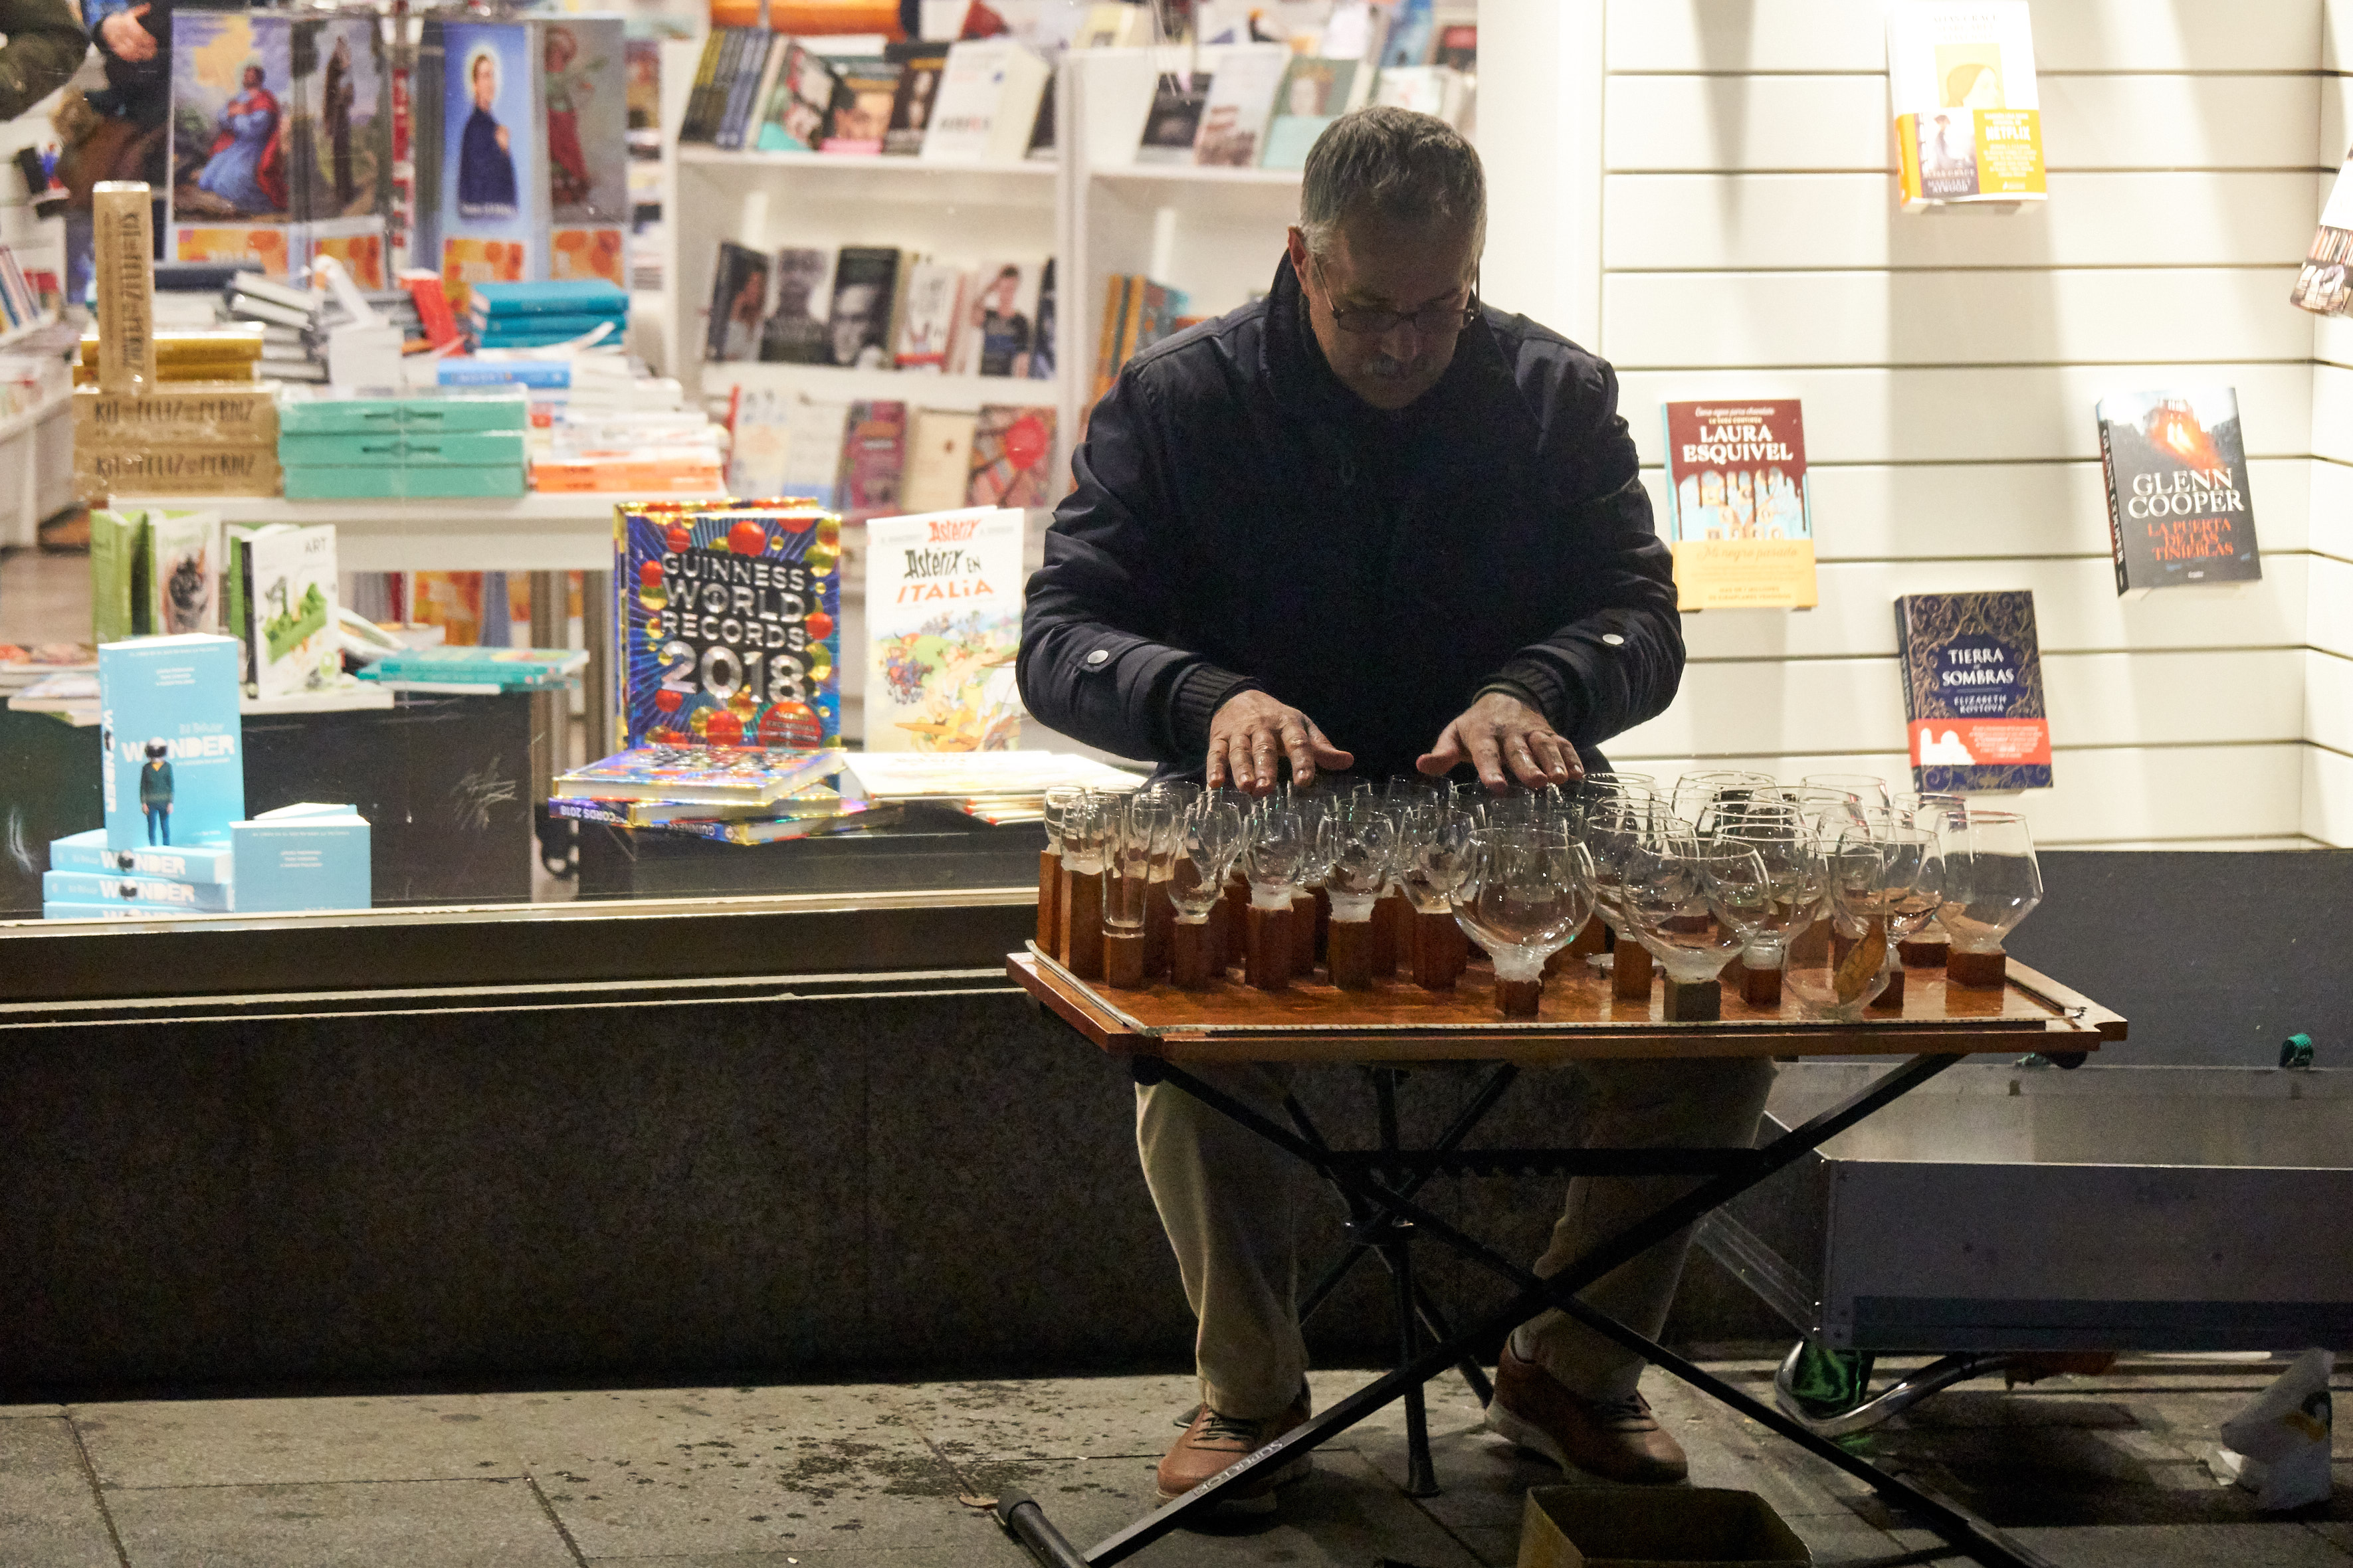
x: 88, y: 881
x: 996, y: 787
x: 477, y: 670
x: 734, y: 795
x: 429, y: 443
x: 539, y: 315
x: 295, y: 322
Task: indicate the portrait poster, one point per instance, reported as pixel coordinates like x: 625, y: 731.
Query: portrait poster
x: 489, y: 122
x: 232, y: 91
x: 339, y: 142
x: 584, y: 96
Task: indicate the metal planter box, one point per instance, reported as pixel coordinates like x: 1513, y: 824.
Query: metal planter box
x: 2012, y: 1209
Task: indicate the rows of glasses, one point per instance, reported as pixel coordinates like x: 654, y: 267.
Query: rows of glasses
x: 1816, y: 888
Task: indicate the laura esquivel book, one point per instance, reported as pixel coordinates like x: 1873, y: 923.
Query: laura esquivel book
x: 1739, y: 514
x: 1973, y: 692
x: 171, y: 744
x: 1969, y: 121
x: 727, y: 617
x: 2179, y: 512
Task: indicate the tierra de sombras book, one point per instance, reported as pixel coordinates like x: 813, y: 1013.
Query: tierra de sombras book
x: 1973, y: 704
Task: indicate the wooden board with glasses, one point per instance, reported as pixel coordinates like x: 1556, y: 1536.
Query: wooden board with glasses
x: 1707, y: 917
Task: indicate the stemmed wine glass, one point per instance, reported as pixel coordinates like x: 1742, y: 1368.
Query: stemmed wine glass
x: 1208, y: 837
x: 1690, y: 900
x: 1524, y: 892
x: 1836, y: 979
x: 1364, y: 850
x: 1055, y: 812
x: 1275, y: 857
x: 1786, y: 902
x: 1136, y: 853
x: 1992, y: 881
x: 1087, y: 825
x: 1436, y: 858
x: 1914, y: 865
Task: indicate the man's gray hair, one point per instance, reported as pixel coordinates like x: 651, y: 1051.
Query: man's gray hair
x: 1393, y: 164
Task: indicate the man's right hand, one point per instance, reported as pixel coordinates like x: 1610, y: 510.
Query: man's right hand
x: 126, y: 38
x: 1251, y: 729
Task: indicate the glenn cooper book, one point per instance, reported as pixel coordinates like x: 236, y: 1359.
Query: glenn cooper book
x: 1740, y: 515
x: 1973, y: 692
x: 728, y: 620
x: 2178, y: 507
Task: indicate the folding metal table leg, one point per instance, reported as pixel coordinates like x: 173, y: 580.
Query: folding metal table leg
x: 1985, y: 1544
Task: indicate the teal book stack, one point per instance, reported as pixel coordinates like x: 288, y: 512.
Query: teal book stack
x: 535, y: 315
x: 431, y: 444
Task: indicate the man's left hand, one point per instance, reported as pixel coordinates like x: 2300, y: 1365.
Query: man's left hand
x: 1505, y: 739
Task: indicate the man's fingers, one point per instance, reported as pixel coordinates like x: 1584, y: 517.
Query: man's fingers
x: 1445, y: 756
x: 1295, y: 748
x: 1487, y: 757
x: 1327, y: 756
x: 1213, y: 774
x: 1553, y: 754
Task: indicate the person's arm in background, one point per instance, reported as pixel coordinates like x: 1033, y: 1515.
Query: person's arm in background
x: 1617, y: 662
x: 1095, y: 664
x: 45, y: 44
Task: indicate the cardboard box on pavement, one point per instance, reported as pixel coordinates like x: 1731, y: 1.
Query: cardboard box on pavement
x: 1655, y: 1527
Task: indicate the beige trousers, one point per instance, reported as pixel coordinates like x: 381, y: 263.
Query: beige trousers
x: 1229, y: 1200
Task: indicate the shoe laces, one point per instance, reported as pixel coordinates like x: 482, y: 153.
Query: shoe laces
x: 1633, y: 1407
x: 1239, y: 1429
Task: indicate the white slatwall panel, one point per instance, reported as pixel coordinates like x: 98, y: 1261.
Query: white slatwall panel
x: 2216, y: 218
x: 1830, y: 35
x: 1948, y: 364
x: 1840, y: 123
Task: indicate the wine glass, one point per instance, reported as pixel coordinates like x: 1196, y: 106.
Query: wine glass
x: 1208, y: 836
x: 1054, y: 811
x: 1787, y: 902
x: 1522, y: 894
x: 1275, y: 856
x: 1087, y: 825
x: 1363, y: 847
x: 1867, y: 789
x: 1992, y: 881
x: 1436, y: 856
x: 1687, y: 898
x: 1836, y: 979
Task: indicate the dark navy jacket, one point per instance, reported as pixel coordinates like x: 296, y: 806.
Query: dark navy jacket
x: 1240, y: 513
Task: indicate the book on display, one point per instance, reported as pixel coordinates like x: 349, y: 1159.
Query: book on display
x: 285, y: 600
x: 2180, y: 510
x: 1000, y: 331
x: 1973, y: 692
x: 171, y: 743
x: 796, y: 333
x: 182, y: 571
x: 179, y: 863
x: 865, y: 91
x: 799, y: 100
x: 873, y: 460
x: 1968, y: 122
x: 1739, y: 515
x: 727, y: 775
x: 943, y: 628
x: 1174, y: 119
x: 809, y: 800
x: 739, y: 300
x: 1012, y: 456
x: 1314, y: 92
x: 107, y: 888
x: 2322, y: 286
x: 939, y: 460
x: 921, y: 66
x: 308, y: 857
x: 987, y: 101
x: 971, y: 775
x: 727, y: 624
x: 933, y: 311
x: 866, y: 287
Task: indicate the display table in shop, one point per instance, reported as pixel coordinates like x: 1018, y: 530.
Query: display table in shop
x: 1398, y: 1025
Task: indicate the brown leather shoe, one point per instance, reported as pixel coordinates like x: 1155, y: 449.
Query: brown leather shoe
x: 1618, y: 1441
x: 1213, y: 1442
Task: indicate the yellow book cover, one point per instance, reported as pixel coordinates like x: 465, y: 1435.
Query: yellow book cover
x: 1739, y: 510
x: 1968, y: 122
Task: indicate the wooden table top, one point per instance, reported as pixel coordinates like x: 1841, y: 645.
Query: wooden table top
x: 1399, y: 1021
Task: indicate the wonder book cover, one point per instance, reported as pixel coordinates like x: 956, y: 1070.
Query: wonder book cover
x: 727, y: 621
x: 171, y: 746
x: 2179, y: 510
x: 1969, y: 121
x: 943, y: 628
x: 1739, y: 515
x: 1973, y: 692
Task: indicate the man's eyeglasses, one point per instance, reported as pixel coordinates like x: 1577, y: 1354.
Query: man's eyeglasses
x: 1443, y: 318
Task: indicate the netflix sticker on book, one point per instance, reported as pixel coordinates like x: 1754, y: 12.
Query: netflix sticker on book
x: 1973, y: 692
x: 2179, y: 513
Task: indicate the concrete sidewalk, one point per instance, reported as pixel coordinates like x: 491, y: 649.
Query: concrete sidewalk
x: 2102, y: 1472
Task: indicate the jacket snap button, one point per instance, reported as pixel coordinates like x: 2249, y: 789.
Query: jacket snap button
x: 1099, y: 657
x: 1613, y: 639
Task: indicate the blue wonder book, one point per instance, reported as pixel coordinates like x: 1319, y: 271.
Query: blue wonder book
x: 89, y: 852
x: 145, y: 893
x: 172, y: 753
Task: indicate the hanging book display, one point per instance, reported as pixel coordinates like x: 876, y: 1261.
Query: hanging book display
x: 1968, y: 123
x: 2179, y: 512
x: 280, y: 141
x: 2321, y: 285
x: 521, y: 141
x: 1739, y: 514
x: 943, y: 628
x: 1973, y: 692
x: 727, y: 617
